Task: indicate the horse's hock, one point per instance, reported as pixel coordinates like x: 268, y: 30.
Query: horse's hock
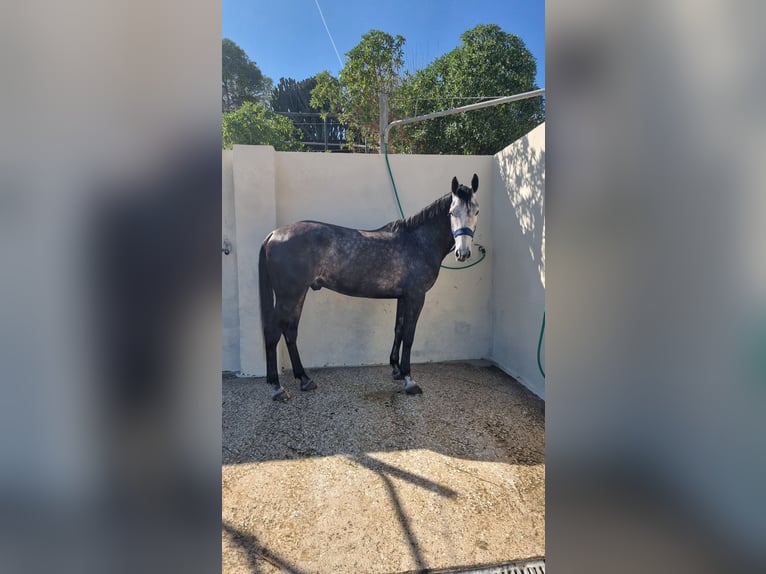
x: 360, y: 477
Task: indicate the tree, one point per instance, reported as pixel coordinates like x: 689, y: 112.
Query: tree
x: 372, y: 68
x: 290, y: 95
x: 254, y: 124
x: 489, y: 62
x: 293, y: 99
x: 242, y: 81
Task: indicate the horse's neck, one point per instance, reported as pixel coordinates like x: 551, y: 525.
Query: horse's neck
x: 436, y: 230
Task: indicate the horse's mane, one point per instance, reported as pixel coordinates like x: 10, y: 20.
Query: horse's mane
x: 438, y: 207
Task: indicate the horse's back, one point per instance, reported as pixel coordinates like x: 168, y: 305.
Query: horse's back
x: 322, y: 234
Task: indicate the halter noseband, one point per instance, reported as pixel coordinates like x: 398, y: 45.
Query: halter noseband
x: 462, y: 231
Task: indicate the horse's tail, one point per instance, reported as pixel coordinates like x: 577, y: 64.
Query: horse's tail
x: 266, y: 290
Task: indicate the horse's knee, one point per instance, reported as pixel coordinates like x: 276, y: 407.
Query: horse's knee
x: 271, y: 338
x: 291, y: 334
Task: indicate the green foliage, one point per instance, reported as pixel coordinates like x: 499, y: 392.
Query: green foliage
x: 327, y: 97
x: 254, y: 124
x: 489, y: 62
x: 327, y: 94
x: 242, y: 81
x: 372, y: 67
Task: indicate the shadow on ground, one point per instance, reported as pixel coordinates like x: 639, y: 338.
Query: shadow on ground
x: 357, y: 476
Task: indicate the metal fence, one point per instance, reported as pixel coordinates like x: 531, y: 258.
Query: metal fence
x: 324, y: 134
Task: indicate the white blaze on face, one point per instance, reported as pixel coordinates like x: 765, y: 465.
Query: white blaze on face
x: 463, y: 215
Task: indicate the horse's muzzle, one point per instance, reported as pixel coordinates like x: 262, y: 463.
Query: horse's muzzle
x: 465, y: 252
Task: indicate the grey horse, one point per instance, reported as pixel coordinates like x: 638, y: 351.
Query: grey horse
x: 400, y: 260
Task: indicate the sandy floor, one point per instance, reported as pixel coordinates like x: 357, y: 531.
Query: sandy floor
x: 358, y: 477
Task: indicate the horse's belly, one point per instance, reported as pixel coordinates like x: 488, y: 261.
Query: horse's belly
x: 361, y: 287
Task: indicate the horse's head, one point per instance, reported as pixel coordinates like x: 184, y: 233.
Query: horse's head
x: 463, y: 215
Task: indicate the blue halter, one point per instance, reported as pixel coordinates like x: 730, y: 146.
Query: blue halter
x: 462, y: 231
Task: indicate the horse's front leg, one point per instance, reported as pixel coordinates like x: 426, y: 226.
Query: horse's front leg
x: 396, y: 372
x: 412, y: 307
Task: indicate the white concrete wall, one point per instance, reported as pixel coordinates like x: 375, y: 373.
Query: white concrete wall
x: 518, y: 267
x: 492, y: 310
x: 229, y: 287
x: 255, y: 217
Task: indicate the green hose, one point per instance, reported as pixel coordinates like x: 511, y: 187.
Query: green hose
x: 391, y: 175
x: 540, y: 345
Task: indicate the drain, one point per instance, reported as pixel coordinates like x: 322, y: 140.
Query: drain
x: 530, y: 567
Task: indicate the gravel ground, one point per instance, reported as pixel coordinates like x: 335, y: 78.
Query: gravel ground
x: 359, y: 477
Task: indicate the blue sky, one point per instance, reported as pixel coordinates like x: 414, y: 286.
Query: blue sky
x: 287, y: 38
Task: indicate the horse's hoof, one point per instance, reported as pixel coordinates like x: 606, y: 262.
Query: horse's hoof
x: 280, y: 394
x: 309, y: 385
x: 413, y: 389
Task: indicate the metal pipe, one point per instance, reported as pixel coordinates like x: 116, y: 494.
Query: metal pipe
x: 468, y: 108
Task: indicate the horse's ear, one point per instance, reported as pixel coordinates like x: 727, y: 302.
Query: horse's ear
x: 454, y: 184
x: 475, y: 183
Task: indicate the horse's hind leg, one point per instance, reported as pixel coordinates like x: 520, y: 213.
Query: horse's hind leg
x: 271, y: 336
x: 292, y: 317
